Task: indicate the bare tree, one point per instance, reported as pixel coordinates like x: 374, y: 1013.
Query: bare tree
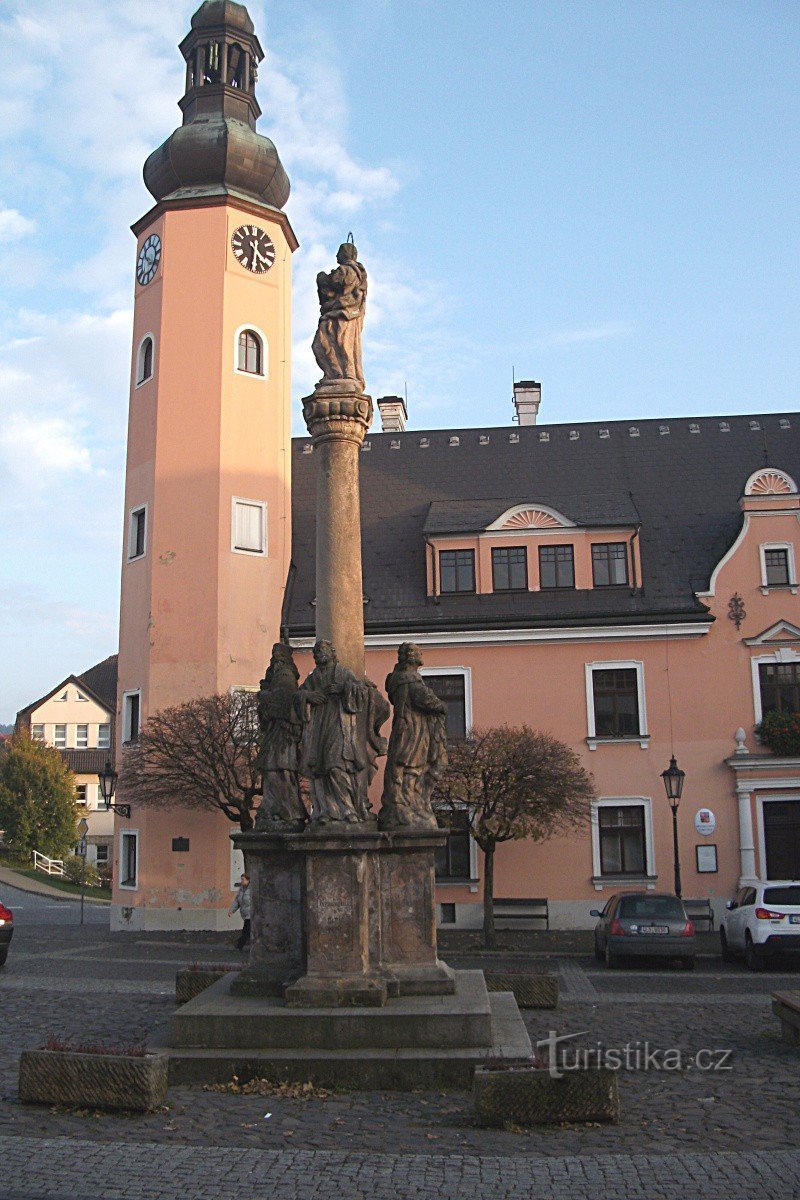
x: 514, y: 783
x: 202, y: 754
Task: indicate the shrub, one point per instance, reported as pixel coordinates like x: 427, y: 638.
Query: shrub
x: 72, y: 870
x: 780, y: 731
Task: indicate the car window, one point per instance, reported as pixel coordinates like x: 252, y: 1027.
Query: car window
x: 782, y: 895
x: 749, y: 897
x: 668, y: 907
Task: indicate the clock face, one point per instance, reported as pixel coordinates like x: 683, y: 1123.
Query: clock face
x: 149, y: 258
x: 253, y: 248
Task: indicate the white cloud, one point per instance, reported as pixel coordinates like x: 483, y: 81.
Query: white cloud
x: 600, y: 332
x: 14, y: 226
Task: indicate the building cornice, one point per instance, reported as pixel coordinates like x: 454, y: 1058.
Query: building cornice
x: 215, y: 197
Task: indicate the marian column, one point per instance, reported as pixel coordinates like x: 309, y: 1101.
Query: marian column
x: 338, y: 415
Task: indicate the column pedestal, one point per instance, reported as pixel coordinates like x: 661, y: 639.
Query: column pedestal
x: 277, y: 937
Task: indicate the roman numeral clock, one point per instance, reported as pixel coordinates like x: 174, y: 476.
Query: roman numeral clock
x: 253, y: 248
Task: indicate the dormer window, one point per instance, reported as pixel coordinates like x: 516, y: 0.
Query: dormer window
x: 457, y: 570
x: 610, y: 564
x: 556, y: 567
x: 509, y: 569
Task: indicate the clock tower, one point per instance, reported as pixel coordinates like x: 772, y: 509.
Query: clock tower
x: 207, y: 537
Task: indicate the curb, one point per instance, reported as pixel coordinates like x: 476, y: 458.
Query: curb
x: 23, y: 884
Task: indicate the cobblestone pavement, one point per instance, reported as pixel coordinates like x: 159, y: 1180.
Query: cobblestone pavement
x: 70, y: 981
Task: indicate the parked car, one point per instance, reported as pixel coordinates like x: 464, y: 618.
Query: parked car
x: 760, y: 921
x: 642, y: 925
x: 6, y: 931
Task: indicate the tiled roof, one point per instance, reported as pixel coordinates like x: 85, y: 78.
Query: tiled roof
x: 86, y: 762
x: 681, y: 478
x: 101, y: 679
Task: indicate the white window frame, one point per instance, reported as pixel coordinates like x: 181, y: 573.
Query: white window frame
x: 36, y: 737
x: 126, y: 714
x: 262, y: 504
x: 81, y: 745
x: 132, y: 556
x: 60, y: 725
x: 784, y: 655
x: 466, y: 672
x: 107, y: 744
x: 600, y: 881
x: 766, y: 588
x: 642, y: 737
x: 128, y: 833
x: 138, y: 360
x: 104, y: 862
x: 264, y: 372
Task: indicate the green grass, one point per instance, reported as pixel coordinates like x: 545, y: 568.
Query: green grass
x: 53, y: 881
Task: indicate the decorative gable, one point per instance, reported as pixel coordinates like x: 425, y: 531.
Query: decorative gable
x: 529, y: 516
x: 770, y: 482
x: 778, y: 634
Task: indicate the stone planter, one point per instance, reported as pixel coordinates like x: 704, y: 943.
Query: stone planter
x: 531, y: 1096
x: 530, y: 991
x: 190, y: 982
x: 81, y: 1080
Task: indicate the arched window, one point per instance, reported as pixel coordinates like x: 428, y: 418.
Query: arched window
x: 144, y: 360
x: 250, y: 353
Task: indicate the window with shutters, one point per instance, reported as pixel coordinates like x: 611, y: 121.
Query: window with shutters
x: 249, y: 526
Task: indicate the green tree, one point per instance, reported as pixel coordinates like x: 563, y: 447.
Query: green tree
x: 514, y: 783
x: 37, y: 799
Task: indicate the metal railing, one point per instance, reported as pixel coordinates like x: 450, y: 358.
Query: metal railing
x: 50, y: 866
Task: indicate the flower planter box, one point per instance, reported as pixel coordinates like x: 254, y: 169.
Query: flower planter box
x: 191, y: 981
x: 528, y: 1095
x: 82, y: 1080
x: 530, y: 991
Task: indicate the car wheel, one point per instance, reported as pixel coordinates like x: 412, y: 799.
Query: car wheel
x: 753, y: 956
x: 611, y: 959
x: 727, y: 953
x: 598, y: 953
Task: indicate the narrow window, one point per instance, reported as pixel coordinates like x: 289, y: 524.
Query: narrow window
x: 250, y: 353
x: 610, y: 564
x: 780, y: 687
x: 457, y: 570
x: 60, y: 739
x: 104, y: 737
x: 37, y: 733
x: 777, y: 567
x: 80, y: 794
x: 128, y: 860
x: 144, y: 361
x: 451, y: 689
x: 137, y: 531
x: 509, y: 569
x: 81, y: 736
x: 102, y: 855
x: 130, y: 716
x: 453, y: 858
x: 622, y: 840
x: 616, y: 702
x: 249, y: 526
x: 556, y: 567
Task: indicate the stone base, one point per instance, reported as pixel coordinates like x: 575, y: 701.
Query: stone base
x: 530, y: 1096
x: 410, y: 1042
x: 340, y: 991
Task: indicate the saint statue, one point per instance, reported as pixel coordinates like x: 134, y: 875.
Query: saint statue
x: 280, y: 727
x: 332, y: 704
x: 342, y: 301
x: 417, y: 745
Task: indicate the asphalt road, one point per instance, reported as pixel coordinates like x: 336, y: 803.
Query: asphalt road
x: 30, y: 909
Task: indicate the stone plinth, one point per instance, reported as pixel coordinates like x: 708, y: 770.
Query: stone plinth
x: 344, y: 915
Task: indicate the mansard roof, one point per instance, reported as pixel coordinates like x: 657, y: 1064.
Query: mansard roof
x: 678, y: 479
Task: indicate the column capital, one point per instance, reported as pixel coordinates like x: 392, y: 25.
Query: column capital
x: 338, y: 411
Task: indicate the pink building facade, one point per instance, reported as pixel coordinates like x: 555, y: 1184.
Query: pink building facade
x: 631, y: 588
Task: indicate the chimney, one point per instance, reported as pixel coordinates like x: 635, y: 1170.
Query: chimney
x: 393, y: 414
x: 527, y: 398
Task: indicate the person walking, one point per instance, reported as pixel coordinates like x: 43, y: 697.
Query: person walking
x: 242, y: 903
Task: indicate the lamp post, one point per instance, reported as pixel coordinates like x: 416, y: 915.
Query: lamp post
x: 673, y: 782
x: 108, y: 781
x: 83, y: 829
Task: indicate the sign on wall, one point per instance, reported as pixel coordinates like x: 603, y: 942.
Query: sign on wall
x: 705, y: 822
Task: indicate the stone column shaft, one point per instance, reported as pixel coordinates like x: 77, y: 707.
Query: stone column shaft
x: 340, y: 601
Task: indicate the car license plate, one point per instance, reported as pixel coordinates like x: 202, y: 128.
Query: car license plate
x: 794, y: 919
x: 654, y: 929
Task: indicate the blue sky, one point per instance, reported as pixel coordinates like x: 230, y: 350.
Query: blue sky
x: 603, y: 196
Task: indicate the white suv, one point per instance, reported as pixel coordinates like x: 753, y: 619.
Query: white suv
x: 762, y: 920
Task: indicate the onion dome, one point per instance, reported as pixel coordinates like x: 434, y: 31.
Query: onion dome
x: 217, y: 147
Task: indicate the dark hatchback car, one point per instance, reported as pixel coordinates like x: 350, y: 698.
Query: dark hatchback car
x: 6, y: 931
x: 643, y: 925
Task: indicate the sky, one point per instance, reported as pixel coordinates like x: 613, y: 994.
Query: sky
x: 601, y: 196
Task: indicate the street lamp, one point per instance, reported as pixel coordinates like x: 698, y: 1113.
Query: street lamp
x: 673, y: 782
x: 108, y: 781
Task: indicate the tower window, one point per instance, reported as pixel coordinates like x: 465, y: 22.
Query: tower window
x: 251, y: 356
x: 137, y: 533
x: 249, y: 522
x: 144, y: 361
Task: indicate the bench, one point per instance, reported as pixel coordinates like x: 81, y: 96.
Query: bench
x: 700, y: 910
x: 522, y: 910
x: 786, y: 1006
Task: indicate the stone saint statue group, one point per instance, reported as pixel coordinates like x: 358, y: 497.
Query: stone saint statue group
x: 327, y: 730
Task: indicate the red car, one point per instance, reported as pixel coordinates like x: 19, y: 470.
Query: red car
x: 6, y: 931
